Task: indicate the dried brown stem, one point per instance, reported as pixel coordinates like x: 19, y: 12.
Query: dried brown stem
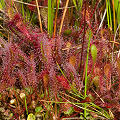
x: 39, y: 16
x: 63, y: 16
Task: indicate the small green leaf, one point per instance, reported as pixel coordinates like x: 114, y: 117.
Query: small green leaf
x: 1, y: 6
x: 95, y: 81
x: 94, y: 52
x: 31, y: 117
x: 38, y: 109
x: 74, y: 1
x: 69, y: 111
x: 67, y: 32
x: 42, y: 95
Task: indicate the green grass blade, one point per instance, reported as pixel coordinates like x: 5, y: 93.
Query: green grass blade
x: 82, y: 97
x: 114, y: 16
x: 80, y: 2
x: 26, y: 105
x: 107, y: 13
x: 100, y: 109
x: 117, y: 10
x: 2, y: 4
x: 74, y: 2
x: 23, y: 10
x: 58, y: 4
x: 90, y: 35
x: 109, y: 8
x: 49, y: 16
x: 75, y: 90
x: 52, y: 16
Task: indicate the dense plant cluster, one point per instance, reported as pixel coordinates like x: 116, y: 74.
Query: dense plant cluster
x: 72, y: 74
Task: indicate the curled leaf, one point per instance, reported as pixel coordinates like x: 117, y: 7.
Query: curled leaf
x: 95, y: 81
x: 72, y: 60
x: 106, y: 69
x: 97, y: 71
x: 45, y: 79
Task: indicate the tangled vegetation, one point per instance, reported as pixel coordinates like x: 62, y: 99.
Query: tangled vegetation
x: 59, y: 59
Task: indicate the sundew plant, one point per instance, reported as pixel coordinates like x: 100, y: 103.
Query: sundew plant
x: 59, y: 59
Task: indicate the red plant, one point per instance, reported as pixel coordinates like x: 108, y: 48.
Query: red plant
x: 17, y: 24
x: 63, y: 82
x: 29, y: 59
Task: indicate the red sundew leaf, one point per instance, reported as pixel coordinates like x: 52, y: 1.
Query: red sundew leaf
x: 107, y: 69
x: 63, y: 82
x: 17, y: 21
x: 33, y: 65
x: 48, y: 49
x: 23, y: 29
x: 72, y: 60
x: 45, y: 76
x: 107, y: 105
x: 45, y: 79
x: 22, y: 78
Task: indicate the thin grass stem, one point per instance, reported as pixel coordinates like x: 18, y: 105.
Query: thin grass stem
x: 74, y: 1
x: 63, y: 17
x: 90, y: 35
x: 41, y: 6
x: 26, y: 105
x: 49, y: 16
x: 114, y: 16
x: 102, y: 21
x: 75, y: 90
x: 39, y: 16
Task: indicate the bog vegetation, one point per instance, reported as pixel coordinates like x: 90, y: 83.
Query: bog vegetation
x: 59, y: 59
